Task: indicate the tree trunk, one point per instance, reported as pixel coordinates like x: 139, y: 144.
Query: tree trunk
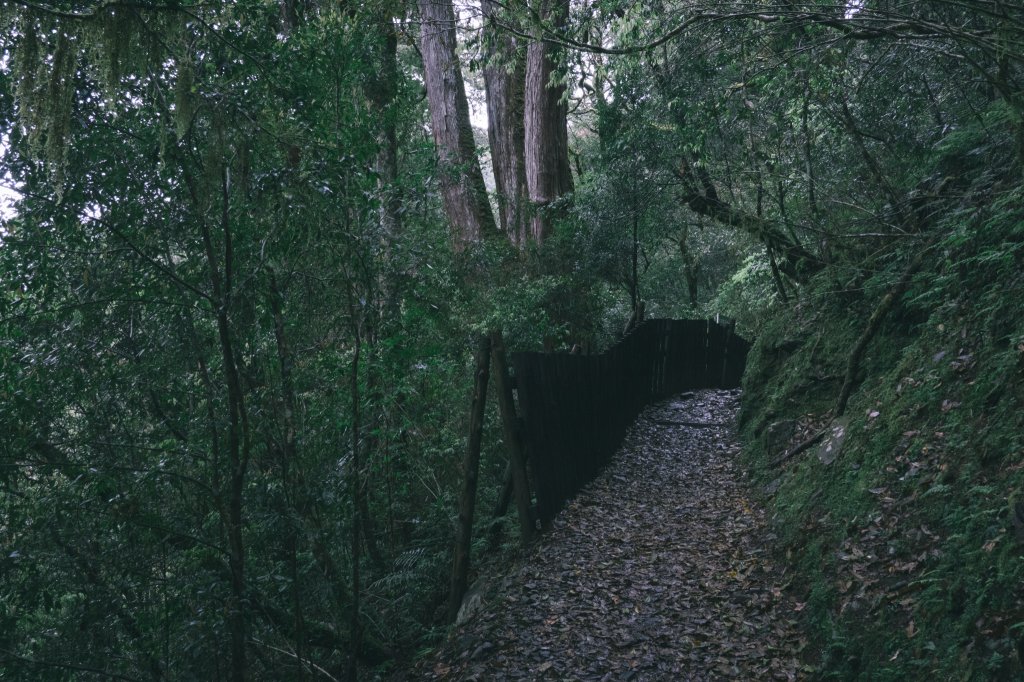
x: 381, y: 93
x: 634, y: 281
x: 355, y: 486
x: 504, y: 76
x: 689, y: 266
x: 470, y: 469
x: 238, y: 440
x: 371, y: 446
x: 700, y: 194
x: 857, y: 137
x: 513, y: 437
x: 462, y: 183
x: 287, y: 454
x: 548, y: 174
x: 289, y: 16
x: 505, y: 496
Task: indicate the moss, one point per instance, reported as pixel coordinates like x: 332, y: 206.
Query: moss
x: 921, y: 502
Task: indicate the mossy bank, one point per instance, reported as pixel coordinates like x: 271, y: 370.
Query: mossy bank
x: 907, y: 550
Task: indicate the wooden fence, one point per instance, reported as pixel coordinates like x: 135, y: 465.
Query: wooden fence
x: 576, y: 408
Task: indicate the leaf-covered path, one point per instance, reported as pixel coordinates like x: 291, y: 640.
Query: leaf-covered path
x: 659, y: 570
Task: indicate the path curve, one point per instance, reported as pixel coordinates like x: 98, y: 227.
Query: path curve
x: 660, y: 569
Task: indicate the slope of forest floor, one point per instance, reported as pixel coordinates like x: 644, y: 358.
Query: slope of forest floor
x: 905, y: 541
x: 661, y: 569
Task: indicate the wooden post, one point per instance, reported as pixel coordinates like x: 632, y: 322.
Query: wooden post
x: 470, y: 467
x: 505, y: 496
x: 513, y: 437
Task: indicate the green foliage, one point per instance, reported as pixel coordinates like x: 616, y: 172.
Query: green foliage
x: 223, y: 164
x: 219, y: 213
x: 916, y: 568
x: 748, y: 296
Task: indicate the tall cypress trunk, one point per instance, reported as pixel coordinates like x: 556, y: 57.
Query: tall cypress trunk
x: 548, y: 174
x: 504, y: 78
x: 289, y: 16
x: 462, y: 183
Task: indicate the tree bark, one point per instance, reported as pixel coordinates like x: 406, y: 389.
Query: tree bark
x: 513, y: 437
x: 504, y: 79
x: 470, y: 470
x: 287, y: 454
x: 289, y: 16
x: 634, y: 281
x: 355, y: 486
x: 548, y: 173
x: 507, y: 483
x: 462, y: 184
x: 780, y: 286
x: 381, y: 93
x: 700, y: 194
x: 808, y: 153
x: 238, y: 441
x: 689, y: 266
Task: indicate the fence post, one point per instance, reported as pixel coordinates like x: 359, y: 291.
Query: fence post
x: 470, y: 470
x: 513, y: 437
x: 578, y: 408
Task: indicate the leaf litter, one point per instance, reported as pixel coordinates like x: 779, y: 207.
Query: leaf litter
x: 660, y: 569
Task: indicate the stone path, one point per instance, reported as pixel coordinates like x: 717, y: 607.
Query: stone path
x: 660, y: 569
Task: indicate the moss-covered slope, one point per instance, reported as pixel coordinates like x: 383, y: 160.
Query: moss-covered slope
x: 908, y: 549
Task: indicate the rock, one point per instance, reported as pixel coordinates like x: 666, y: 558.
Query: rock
x: 830, y: 448
x: 481, y: 651
x: 472, y: 603
x: 778, y: 435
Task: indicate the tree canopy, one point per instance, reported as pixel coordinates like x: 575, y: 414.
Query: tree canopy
x: 252, y: 242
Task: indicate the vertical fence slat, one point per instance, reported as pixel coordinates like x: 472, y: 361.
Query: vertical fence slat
x: 577, y: 408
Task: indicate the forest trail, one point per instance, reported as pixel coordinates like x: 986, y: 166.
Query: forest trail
x: 660, y: 569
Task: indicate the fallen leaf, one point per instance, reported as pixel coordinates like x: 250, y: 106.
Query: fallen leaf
x: 644, y: 576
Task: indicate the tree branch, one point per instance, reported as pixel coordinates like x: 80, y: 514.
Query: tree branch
x: 703, y: 199
x: 67, y: 666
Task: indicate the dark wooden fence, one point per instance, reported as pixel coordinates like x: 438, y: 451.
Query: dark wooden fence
x: 576, y: 408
